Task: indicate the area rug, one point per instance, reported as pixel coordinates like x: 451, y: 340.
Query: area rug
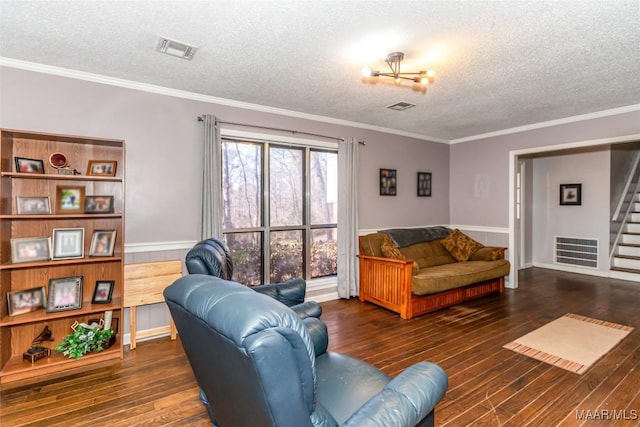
x: 572, y: 342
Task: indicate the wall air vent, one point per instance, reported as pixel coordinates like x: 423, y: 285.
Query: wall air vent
x: 400, y: 106
x: 176, y: 48
x: 578, y: 252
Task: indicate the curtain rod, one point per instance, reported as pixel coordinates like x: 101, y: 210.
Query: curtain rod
x: 200, y: 119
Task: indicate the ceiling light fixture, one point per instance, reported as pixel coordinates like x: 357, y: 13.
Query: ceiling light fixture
x: 393, y: 60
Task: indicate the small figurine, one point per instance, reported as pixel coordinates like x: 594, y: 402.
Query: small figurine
x: 37, y: 352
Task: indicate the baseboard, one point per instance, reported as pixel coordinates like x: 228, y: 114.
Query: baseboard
x: 589, y: 272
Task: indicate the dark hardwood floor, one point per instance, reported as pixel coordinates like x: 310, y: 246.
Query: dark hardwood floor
x: 488, y: 385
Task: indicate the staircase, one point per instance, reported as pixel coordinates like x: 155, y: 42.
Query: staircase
x: 625, y: 263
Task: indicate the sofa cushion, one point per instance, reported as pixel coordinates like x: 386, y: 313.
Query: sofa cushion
x: 371, y: 244
x: 389, y: 250
x: 487, y: 253
x: 460, y: 246
x: 449, y: 276
x: 427, y: 254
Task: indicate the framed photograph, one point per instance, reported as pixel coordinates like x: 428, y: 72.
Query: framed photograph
x: 98, y: 204
x: 102, y: 167
x: 65, y: 294
x: 388, y: 182
x: 68, y: 243
x: 21, y: 302
x: 104, y: 290
x: 424, y: 184
x: 102, y: 243
x: 70, y: 199
x: 24, y: 165
x: 30, y: 249
x: 571, y: 194
x: 33, y: 205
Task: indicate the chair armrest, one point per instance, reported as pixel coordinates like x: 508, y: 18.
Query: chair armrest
x: 290, y: 292
x: 318, y: 333
x: 406, y: 400
x: 308, y: 309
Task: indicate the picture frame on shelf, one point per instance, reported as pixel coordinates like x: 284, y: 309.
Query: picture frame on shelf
x: 103, y: 291
x: 26, y: 165
x: 68, y: 243
x: 424, y: 184
x: 98, y: 204
x: 65, y: 293
x: 388, y: 182
x: 570, y: 194
x: 30, y: 249
x: 102, y: 243
x: 102, y: 168
x: 70, y: 199
x: 33, y: 205
x: 25, y: 301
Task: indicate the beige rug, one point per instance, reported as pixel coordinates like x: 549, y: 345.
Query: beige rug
x: 572, y: 342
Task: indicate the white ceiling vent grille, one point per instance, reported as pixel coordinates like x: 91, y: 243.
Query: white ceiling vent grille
x: 401, y: 106
x: 176, y: 48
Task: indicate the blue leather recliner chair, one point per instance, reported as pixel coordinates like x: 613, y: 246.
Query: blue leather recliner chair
x: 212, y: 256
x: 260, y: 364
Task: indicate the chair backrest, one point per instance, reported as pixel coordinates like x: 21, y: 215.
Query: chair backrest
x: 212, y: 257
x: 251, y: 355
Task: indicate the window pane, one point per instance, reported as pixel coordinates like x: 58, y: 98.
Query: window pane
x: 324, y: 252
x: 324, y: 188
x: 286, y: 255
x: 241, y: 184
x: 246, y: 251
x: 285, y: 186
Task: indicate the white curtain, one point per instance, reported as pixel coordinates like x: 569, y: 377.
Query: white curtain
x: 348, y: 283
x: 211, y: 214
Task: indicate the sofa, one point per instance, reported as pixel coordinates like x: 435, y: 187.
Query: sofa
x: 416, y: 271
x: 259, y: 364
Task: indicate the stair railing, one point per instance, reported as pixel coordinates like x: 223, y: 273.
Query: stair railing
x: 632, y: 186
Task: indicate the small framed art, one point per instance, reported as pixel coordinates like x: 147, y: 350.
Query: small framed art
x: 102, y: 167
x: 65, y: 293
x: 103, y: 291
x: 388, y: 182
x: 26, y: 301
x: 33, y: 205
x: 571, y: 194
x: 102, y: 243
x: 30, y: 249
x: 68, y: 243
x: 98, y: 204
x: 24, y: 165
x: 70, y: 199
x: 424, y: 184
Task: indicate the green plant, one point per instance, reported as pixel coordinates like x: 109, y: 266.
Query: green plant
x: 84, y: 339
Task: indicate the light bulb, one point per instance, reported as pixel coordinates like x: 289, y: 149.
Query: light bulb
x: 366, y: 72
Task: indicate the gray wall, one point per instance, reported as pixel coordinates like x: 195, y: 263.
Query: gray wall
x: 163, y: 140
x: 590, y: 220
x: 487, y: 162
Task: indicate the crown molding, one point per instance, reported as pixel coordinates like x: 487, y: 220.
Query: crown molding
x: 550, y: 123
x: 130, y: 84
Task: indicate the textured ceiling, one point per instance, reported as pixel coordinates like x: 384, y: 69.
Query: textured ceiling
x: 499, y: 64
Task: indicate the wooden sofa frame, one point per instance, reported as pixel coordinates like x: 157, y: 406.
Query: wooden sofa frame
x: 387, y: 282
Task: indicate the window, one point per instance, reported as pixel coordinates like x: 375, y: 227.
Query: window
x: 280, y: 210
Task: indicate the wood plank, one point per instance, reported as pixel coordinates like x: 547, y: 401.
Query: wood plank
x: 488, y: 385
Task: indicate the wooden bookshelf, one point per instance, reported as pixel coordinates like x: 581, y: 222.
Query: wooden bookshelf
x: 17, y: 331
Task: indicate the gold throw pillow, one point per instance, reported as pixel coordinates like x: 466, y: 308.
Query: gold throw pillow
x: 460, y: 246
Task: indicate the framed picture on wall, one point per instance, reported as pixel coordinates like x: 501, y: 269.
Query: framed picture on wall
x: 388, y: 182
x: 424, y: 184
x: 571, y: 194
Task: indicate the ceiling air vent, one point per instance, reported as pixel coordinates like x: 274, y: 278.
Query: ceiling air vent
x: 400, y: 106
x: 176, y: 48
